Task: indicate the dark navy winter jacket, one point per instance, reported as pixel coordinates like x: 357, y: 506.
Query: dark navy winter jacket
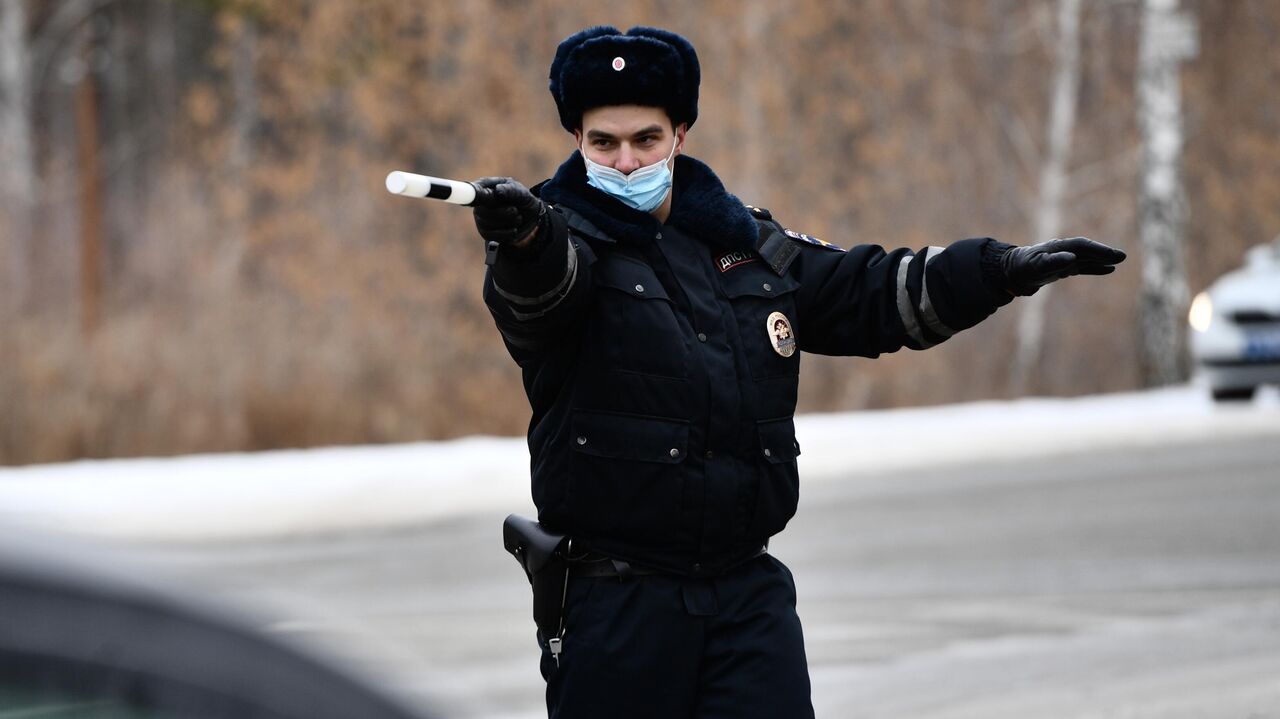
x: 662, y: 427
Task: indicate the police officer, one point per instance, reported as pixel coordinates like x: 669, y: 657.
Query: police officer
x: 658, y: 323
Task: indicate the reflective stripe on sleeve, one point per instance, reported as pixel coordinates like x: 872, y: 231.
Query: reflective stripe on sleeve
x: 905, y: 309
x: 926, y: 305
x: 554, y: 296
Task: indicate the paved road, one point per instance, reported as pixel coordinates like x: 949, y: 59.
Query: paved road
x: 1135, y: 584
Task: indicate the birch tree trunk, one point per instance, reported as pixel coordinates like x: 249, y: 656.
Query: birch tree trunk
x: 17, y: 155
x: 1053, y: 185
x: 1167, y: 37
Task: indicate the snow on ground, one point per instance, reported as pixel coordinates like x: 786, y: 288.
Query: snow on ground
x: 282, y: 493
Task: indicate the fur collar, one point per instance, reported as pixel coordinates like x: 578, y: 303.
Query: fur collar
x: 700, y: 207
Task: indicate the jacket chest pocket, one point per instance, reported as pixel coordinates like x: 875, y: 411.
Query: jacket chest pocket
x: 764, y: 306
x: 634, y: 323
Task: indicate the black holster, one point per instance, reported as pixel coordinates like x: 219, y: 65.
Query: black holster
x: 542, y: 555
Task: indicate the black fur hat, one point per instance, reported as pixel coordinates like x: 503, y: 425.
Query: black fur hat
x: 647, y: 66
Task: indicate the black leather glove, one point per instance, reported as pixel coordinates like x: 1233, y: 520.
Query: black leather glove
x: 505, y: 211
x: 1027, y: 269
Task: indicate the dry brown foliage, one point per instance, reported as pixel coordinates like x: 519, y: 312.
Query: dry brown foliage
x: 261, y: 290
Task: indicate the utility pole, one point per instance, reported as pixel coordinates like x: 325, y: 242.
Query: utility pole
x: 1167, y: 37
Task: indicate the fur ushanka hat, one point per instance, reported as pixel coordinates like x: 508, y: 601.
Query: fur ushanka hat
x: 601, y: 66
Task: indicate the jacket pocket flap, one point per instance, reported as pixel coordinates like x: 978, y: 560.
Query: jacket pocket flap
x: 757, y: 284
x: 778, y: 440
x: 630, y: 276
x: 630, y: 437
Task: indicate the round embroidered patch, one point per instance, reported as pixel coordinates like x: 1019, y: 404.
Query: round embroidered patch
x: 619, y: 63
x: 780, y: 334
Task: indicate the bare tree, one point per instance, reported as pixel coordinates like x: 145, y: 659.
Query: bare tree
x: 1167, y: 37
x: 1053, y: 183
x: 17, y: 155
x: 755, y: 23
x: 89, y: 175
x: 239, y: 160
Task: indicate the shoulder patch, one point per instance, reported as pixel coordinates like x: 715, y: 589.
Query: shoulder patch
x: 759, y: 212
x: 812, y: 240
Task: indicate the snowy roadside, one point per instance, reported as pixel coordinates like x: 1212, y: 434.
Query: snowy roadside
x: 284, y: 493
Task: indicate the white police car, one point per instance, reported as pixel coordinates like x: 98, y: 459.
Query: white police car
x: 1235, y: 338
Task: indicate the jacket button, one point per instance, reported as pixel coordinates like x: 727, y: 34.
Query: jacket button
x: 675, y: 453
x: 767, y: 453
x: 582, y: 440
x: 768, y: 287
x: 639, y: 288
x: 710, y: 454
x: 657, y: 236
x: 702, y: 337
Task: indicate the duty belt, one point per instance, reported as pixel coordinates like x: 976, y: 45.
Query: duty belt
x: 606, y: 567
x: 598, y: 565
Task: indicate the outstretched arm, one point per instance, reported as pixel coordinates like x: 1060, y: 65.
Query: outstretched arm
x: 868, y: 301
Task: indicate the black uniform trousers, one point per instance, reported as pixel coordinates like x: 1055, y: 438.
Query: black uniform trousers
x: 677, y: 647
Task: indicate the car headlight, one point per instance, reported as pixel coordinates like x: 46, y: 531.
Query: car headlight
x: 1201, y: 315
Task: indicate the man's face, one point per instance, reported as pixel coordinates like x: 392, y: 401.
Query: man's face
x: 628, y: 137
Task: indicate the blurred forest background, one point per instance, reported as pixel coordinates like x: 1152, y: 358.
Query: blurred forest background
x: 198, y: 253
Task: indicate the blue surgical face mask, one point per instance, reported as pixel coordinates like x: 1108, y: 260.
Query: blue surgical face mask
x: 644, y: 189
